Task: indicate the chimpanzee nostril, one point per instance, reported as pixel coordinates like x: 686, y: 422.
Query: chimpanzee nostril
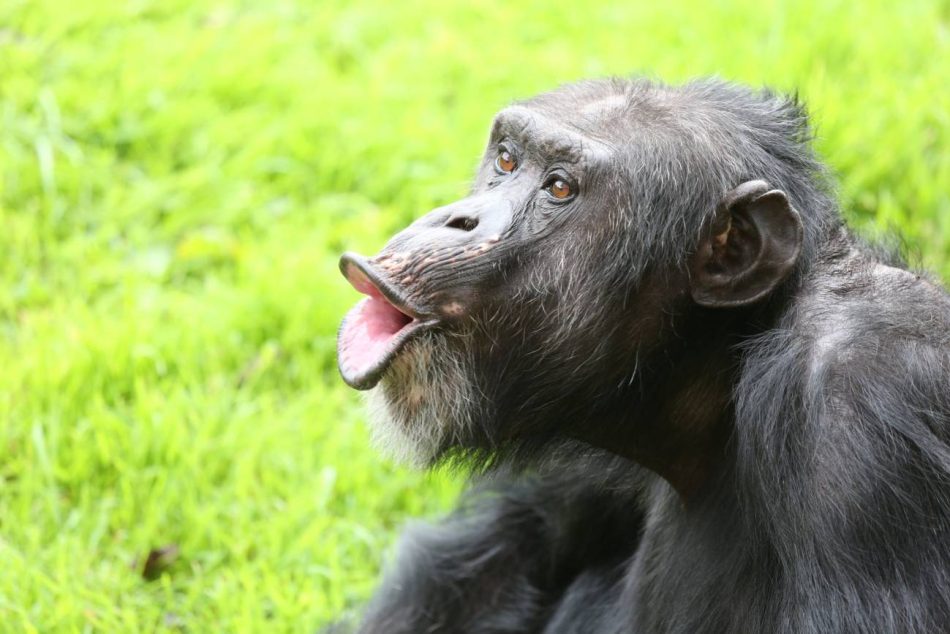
x: 465, y: 223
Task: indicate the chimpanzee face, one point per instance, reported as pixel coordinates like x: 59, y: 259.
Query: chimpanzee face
x: 471, y: 299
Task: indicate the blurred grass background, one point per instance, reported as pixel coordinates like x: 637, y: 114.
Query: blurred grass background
x: 177, y: 179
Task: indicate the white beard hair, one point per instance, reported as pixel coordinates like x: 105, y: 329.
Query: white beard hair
x: 423, y: 403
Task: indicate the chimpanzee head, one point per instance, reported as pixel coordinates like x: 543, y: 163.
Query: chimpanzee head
x: 611, y: 226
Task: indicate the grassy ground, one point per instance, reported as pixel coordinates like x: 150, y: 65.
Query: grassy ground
x: 177, y: 179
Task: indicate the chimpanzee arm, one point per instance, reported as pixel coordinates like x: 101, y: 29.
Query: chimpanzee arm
x: 503, y: 561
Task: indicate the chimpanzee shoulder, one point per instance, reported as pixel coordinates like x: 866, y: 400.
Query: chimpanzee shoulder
x: 841, y: 441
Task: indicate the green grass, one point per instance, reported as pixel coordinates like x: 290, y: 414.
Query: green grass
x: 177, y: 179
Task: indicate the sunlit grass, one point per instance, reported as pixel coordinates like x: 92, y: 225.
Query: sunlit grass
x: 177, y: 179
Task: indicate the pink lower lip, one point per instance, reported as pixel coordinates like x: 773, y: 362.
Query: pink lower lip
x: 368, y: 335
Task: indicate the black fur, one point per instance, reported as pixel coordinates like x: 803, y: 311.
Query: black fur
x: 652, y: 465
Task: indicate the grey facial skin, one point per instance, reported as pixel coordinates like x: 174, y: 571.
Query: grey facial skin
x: 691, y: 400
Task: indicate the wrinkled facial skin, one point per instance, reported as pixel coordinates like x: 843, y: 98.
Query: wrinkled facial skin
x: 515, y: 304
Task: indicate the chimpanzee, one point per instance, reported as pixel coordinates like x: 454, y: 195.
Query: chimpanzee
x: 691, y: 400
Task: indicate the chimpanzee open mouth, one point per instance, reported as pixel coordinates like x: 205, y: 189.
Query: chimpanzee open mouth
x: 377, y: 328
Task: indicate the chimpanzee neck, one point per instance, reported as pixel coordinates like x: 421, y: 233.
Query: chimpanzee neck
x: 677, y: 417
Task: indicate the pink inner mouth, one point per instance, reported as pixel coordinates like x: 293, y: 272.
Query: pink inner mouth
x: 369, y: 330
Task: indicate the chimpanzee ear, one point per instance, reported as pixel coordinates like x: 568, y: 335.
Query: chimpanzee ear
x: 748, y: 246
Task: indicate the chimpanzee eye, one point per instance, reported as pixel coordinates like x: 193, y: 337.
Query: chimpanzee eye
x: 505, y: 163
x: 559, y: 188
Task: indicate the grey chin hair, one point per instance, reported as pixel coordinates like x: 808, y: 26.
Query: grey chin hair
x: 423, y: 403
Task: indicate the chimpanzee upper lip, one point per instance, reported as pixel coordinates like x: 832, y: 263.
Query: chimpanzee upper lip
x: 377, y: 328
